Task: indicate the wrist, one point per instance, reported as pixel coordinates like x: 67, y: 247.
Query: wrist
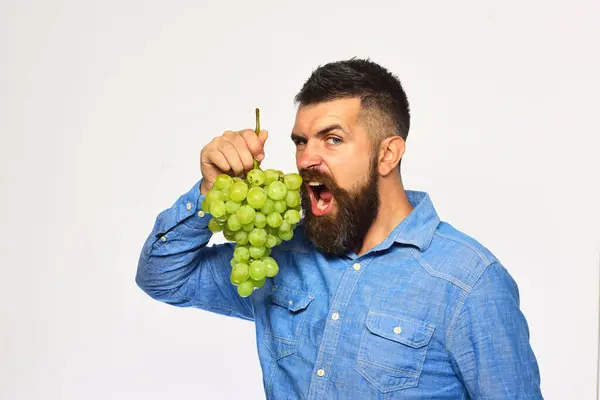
x: 205, y: 187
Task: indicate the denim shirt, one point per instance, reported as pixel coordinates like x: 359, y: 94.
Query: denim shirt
x: 429, y: 313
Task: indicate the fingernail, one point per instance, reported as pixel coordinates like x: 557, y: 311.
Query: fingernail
x: 260, y: 157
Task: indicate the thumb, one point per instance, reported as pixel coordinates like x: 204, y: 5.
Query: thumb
x: 262, y: 136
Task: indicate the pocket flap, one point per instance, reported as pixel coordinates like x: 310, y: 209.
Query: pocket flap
x: 408, y: 331
x: 292, y: 301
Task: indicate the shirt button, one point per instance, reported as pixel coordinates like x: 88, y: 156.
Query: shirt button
x: 188, y: 206
x: 291, y: 302
x: 397, y: 330
x: 335, y: 316
x: 164, y: 239
x: 356, y: 266
x: 201, y: 213
x: 321, y: 372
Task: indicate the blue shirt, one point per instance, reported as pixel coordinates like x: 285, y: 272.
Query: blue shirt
x: 429, y: 313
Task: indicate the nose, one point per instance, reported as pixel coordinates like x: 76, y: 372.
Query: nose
x: 308, y: 157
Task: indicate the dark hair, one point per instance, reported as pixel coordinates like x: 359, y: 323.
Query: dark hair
x: 377, y: 88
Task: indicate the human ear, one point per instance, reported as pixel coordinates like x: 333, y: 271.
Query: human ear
x: 391, y: 151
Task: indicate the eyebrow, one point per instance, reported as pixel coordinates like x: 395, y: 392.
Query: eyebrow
x: 322, y: 132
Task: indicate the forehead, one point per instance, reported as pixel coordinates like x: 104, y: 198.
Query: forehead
x: 312, y: 118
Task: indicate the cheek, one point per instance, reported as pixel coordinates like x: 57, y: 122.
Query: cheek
x: 352, y: 172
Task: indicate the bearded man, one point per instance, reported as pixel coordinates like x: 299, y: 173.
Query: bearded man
x: 376, y: 297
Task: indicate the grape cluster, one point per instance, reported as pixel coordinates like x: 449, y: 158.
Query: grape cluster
x: 257, y: 213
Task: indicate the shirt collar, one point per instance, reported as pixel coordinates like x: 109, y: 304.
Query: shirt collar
x: 418, y: 227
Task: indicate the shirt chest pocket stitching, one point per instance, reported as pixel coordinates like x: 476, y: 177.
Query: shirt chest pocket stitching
x: 392, y: 350
x: 286, y: 315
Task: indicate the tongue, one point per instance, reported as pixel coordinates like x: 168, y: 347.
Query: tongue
x: 326, y: 195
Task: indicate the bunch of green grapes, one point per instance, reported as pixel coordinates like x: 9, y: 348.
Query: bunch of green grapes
x: 258, y: 213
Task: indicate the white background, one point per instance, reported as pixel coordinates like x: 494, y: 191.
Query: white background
x: 104, y: 107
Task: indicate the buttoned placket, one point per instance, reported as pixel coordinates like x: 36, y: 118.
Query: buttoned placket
x: 327, y: 350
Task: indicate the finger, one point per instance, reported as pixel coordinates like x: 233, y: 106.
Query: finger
x: 232, y: 156
x: 217, y: 158
x: 255, y: 144
x: 244, y: 153
x: 263, y: 135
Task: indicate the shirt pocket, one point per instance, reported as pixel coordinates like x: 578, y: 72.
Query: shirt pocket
x: 286, y: 315
x: 392, y: 351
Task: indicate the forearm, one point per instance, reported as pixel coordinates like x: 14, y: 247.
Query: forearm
x: 176, y: 265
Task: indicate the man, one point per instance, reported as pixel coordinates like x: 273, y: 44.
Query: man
x: 376, y: 298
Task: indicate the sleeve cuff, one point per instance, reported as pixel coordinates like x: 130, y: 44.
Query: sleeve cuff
x: 190, y: 208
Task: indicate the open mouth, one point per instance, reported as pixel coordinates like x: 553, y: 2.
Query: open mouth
x: 321, y: 198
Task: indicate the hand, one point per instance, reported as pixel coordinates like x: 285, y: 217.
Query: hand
x: 232, y: 153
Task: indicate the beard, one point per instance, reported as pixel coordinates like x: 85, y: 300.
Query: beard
x: 344, y: 229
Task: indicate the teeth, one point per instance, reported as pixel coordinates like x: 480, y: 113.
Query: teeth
x: 315, y: 183
x: 321, y: 205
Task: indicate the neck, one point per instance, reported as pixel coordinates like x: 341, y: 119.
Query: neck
x: 393, y: 208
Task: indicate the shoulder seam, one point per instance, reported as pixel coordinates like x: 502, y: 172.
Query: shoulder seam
x: 459, y: 307
x: 440, y: 275
x: 467, y: 244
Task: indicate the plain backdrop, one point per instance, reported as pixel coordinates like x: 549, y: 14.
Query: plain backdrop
x: 105, y: 106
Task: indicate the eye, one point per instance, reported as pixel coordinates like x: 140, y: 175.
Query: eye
x: 334, y: 140
x: 298, y: 141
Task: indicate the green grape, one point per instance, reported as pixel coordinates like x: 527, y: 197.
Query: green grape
x: 271, y: 176
x: 238, y: 191
x: 232, y: 262
x: 287, y: 235
x: 268, y: 208
x: 245, y: 288
x: 292, y: 181
x: 267, y: 252
x: 271, y: 231
x: 218, y: 209
x: 224, y: 195
x: 206, y: 205
x: 257, y: 270
x: 232, y: 206
x: 281, y: 175
x: 230, y: 236
x: 222, y: 219
x: 279, y: 240
x: 214, y: 195
x: 292, y: 198
x: 257, y: 237
x: 241, y: 237
x: 285, y: 226
x: 271, y: 266
x: 214, y: 226
x: 258, y: 284
x: 274, y: 220
x: 280, y: 206
x: 271, y: 241
x: 223, y: 181
x: 260, y: 220
x: 237, y: 179
x: 241, y: 254
x: 240, y: 272
x: 256, y: 197
x: 257, y: 252
x: 292, y: 216
x: 245, y: 214
x: 233, y: 223
x: 277, y: 190
x: 256, y: 177
x: 248, y: 227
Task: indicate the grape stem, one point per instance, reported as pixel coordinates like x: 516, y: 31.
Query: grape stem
x: 257, y: 130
